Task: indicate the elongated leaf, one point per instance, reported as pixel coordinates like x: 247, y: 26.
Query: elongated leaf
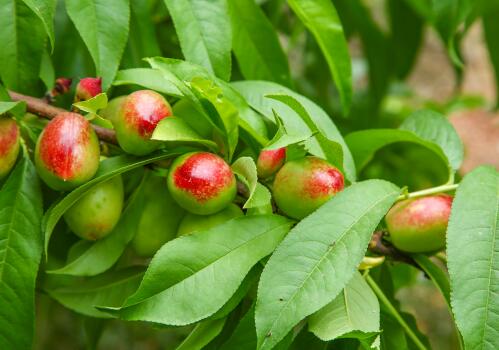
x: 473, y: 258
x: 256, y: 45
x: 93, y: 104
x: 255, y: 93
x: 82, y: 295
x: 330, y: 150
x: 320, y: 17
x: 148, y: 78
x: 318, y: 257
x: 107, y: 169
x: 203, y: 28
x: 23, y: 40
x: 45, y: 10
x: 101, y: 255
x: 202, y: 334
x: 200, y: 272
x: 173, y: 130
x: 436, y: 274
x: 426, y: 128
x: 103, y: 26
x: 20, y: 254
x: 259, y: 195
x: 355, y: 309
x: 227, y: 116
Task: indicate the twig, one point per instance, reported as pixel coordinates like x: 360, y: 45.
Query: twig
x: 377, y: 246
x: 42, y: 108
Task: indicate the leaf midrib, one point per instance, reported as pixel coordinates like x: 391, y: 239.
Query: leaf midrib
x: 489, y: 280
x: 321, y: 259
x: 236, y: 248
x: 11, y: 223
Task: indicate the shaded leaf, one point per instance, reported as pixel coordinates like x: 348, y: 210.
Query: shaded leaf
x: 45, y: 10
x: 202, y: 334
x: 17, y: 109
x: 321, y: 18
x: 256, y: 45
x: 82, y: 295
x: 148, y: 78
x: 20, y: 254
x: 318, y: 257
x: 259, y: 195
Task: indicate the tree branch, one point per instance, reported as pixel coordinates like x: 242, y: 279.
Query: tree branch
x: 42, y: 108
x: 377, y: 246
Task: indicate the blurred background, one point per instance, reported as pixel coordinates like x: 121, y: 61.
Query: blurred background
x: 401, y: 61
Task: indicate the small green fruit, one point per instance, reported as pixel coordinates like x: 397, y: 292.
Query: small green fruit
x: 419, y: 225
x: 96, y: 214
x: 67, y: 152
x: 160, y: 218
x: 202, y: 183
x: 9, y: 145
x: 192, y: 222
x: 270, y: 161
x: 136, y: 120
x: 303, y: 185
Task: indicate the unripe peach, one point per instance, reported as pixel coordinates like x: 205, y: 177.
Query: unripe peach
x: 137, y: 117
x: 88, y: 88
x: 270, y: 161
x: 67, y: 152
x: 303, y: 185
x: 419, y: 225
x: 9, y: 145
x: 202, y: 183
x: 193, y: 223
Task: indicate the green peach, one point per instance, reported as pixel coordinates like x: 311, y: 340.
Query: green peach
x: 419, y: 225
x: 201, y: 182
x: 160, y: 218
x: 9, y: 145
x: 192, y: 222
x: 98, y: 211
x: 138, y: 115
x: 67, y: 152
x: 303, y: 185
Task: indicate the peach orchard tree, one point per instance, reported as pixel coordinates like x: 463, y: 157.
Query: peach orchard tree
x: 213, y: 169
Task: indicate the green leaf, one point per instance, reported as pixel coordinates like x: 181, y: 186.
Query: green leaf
x: 17, y: 109
x: 255, y: 93
x: 436, y: 274
x: 259, y: 195
x: 330, y: 150
x: 45, y: 10
x: 226, y: 116
x: 173, y: 130
x: 256, y: 45
x: 148, y: 78
x: 406, y: 36
x: 321, y: 18
x: 83, y: 295
x: 20, y: 254
x: 434, y: 127
x: 318, y: 257
x: 23, y: 40
x: 355, y: 309
x: 284, y: 139
x: 47, y: 72
x: 203, y: 28
x: 93, y: 104
x: 202, y: 334
x: 473, y: 258
x: 180, y: 72
x: 426, y: 128
x: 200, y: 272
x: 103, y: 26
x: 108, y: 168
x: 101, y: 255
